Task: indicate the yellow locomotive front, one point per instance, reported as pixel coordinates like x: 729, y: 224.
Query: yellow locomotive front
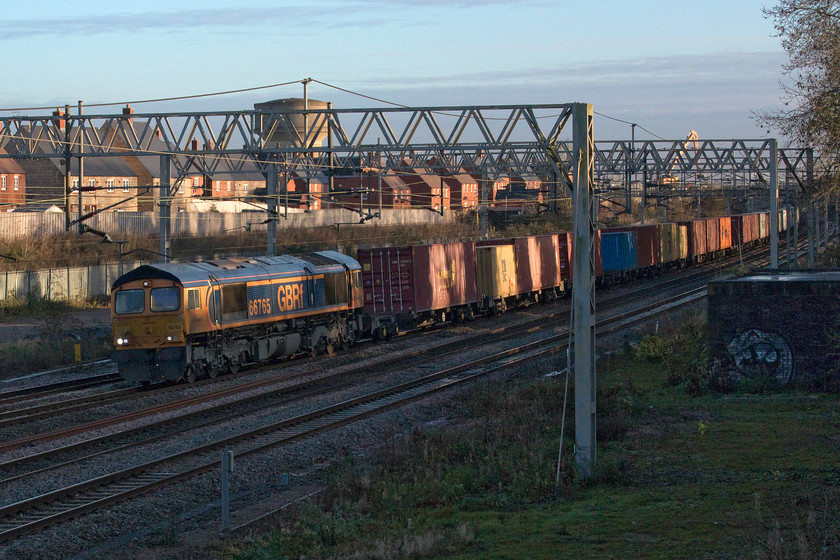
x: 147, y: 321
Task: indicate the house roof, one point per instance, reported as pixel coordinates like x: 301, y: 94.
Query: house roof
x: 109, y: 166
x: 38, y: 208
x: 8, y: 166
x: 112, y: 166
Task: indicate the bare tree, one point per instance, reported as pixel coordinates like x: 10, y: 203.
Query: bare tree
x: 810, y: 33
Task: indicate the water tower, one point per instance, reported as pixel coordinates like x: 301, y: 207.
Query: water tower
x: 285, y: 132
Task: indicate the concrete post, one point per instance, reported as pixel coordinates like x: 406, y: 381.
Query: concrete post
x: 583, y: 295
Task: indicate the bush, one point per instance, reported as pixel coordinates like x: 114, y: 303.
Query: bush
x: 687, y: 356
x: 651, y: 348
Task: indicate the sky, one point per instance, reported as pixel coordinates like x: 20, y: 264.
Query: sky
x: 668, y: 66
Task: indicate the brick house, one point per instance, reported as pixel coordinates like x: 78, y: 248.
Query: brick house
x: 362, y: 191
x: 107, y: 180
x: 428, y: 190
x: 12, y: 183
x: 235, y: 185
x: 463, y: 189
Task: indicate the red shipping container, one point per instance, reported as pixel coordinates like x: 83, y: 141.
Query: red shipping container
x: 648, y: 247
x: 697, y: 247
x: 418, y: 279
x: 537, y: 262
x: 712, y: 235
x: 566, y: 245
x: 725, y: 232
x: 744, y: 229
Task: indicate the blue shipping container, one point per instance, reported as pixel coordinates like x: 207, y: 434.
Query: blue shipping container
x: 618, y: 251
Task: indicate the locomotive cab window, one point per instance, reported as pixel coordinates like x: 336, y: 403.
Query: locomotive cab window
x: 193, y: 299
x: 165, y: 299
x: 129, y: 301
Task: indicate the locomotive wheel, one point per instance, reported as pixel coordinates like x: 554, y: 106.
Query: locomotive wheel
x: 212, y: 371
x: 189, y: 374
x: 231, y: 366
x: 320, y: 347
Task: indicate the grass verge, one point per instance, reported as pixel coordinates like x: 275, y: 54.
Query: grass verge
x: 682, y: 473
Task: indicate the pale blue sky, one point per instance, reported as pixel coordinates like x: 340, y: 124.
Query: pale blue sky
x: 670, y: 66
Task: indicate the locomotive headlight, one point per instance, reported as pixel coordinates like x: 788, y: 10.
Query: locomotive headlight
x: 122, y: 341
x: 172, y: 338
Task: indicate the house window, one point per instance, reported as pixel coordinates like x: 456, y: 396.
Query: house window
x: 181, y: 187
x: 75, y: 184
x: 3, y: 183
x: 92, y: 183
x: 110, y: 185
x: 125, y: 185
x: 245, y: 188
x: 228, y: 186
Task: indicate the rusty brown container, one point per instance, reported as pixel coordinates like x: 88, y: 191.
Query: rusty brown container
x: 414, y: 280
x: 744, y: 229
x: 712, y: 235
x: 696, y: 232
x: 566, y: 246
x: 537, y: 263
x: 725, y: 232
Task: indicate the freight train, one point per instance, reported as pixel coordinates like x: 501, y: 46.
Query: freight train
x: 199, y: 319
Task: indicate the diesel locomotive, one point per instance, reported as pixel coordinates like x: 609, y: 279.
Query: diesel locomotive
x: 199, y: 319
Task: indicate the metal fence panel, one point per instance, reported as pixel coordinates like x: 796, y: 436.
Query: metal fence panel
x: 16, y: 225
x: 63, y: 283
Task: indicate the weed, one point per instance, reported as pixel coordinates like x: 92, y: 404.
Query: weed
x: 652, y: 348
x: 809, y: 529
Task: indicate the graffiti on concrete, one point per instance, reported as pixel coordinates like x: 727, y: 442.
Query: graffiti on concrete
x: 760, y: 354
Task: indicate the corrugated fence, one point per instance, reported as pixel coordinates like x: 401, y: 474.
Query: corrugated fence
x: 22, y: 224
x: 62, y: 283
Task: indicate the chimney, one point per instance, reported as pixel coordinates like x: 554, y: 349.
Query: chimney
x: 127, y: 111
x: 58, y: 122
x: 194, y: 144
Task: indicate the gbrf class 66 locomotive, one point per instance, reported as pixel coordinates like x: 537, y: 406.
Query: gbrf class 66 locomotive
x: 194, y: 319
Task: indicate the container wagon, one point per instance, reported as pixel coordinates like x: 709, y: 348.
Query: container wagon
x: 408, y: 287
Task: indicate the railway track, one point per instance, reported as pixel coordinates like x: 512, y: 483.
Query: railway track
x: 66, y: 503
x: 37, y: 391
